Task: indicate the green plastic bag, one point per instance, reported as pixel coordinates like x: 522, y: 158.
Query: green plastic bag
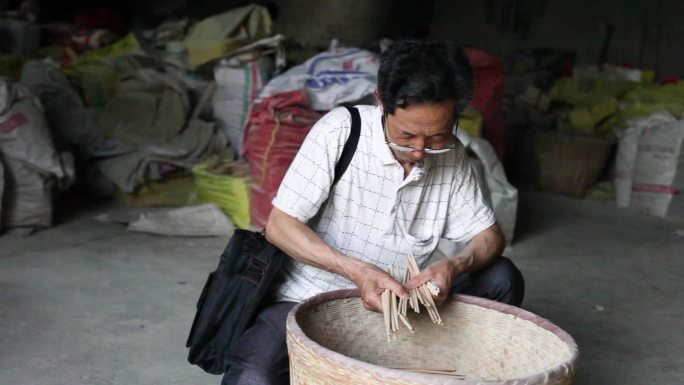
x: 227, y: 185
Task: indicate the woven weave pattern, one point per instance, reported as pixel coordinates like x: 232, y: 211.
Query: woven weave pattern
x: 332, y: 339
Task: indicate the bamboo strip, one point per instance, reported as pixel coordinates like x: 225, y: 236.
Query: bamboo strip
x: 386, y: 313
x: 406, y: 323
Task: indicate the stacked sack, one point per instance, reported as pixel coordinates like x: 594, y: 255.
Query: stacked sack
x: 276, y: 130
x: 649, y: 166
x: 32, y: 165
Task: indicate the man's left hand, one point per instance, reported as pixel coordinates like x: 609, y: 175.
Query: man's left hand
x: 442, y: 274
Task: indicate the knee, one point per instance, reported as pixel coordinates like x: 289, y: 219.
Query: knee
x: 507, y: 280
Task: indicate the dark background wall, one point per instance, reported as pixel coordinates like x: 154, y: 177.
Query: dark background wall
x: 646, y: 33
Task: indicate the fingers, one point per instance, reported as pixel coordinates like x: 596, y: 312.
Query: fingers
x: 372, y: 303
x: 418, y: 280
x: 441, y: 297
x: 396, y: 288
x: 373, y: 286
x: 386, y: 281
x: 439, y: 273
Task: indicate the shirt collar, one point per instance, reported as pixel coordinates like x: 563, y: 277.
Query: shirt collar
x: 383, y: 151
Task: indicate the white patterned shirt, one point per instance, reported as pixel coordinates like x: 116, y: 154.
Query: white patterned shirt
x: 374, y: 213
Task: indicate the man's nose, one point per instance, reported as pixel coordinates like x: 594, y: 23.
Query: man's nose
x: 418, y: 154
x: 419, y: 149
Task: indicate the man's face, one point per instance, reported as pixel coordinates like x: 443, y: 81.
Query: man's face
x: 420, y: 126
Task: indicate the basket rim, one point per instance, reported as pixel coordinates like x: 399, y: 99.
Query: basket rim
x: 558, y: 372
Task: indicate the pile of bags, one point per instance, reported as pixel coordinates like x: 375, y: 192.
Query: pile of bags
x: 153, y: 117
x: 597, y: 97
x: 133, y: 116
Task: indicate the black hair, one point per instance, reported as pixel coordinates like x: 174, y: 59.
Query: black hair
x: 423, y: 71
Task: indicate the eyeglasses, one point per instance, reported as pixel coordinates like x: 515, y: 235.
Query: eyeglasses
x: 450, y: 146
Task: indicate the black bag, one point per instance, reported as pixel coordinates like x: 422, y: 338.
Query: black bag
x: 234, y: 293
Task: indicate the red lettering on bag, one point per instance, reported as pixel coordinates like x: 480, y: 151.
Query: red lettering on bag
x: 654, y: 188
x: 14, y: 121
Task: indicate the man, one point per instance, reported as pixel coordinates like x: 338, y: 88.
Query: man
x: 408, y: 185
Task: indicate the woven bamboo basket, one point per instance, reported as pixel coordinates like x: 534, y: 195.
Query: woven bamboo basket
x: 333, y: 340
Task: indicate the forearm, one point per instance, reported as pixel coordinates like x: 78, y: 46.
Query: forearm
x: 481, y: 251
x: 301, y: 243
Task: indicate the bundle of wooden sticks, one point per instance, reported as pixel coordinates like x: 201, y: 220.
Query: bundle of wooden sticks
x: 394, y: 308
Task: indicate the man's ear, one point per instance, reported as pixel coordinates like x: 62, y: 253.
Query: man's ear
x: 378, y: 102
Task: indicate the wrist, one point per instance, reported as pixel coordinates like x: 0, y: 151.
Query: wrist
x: 348, y: 267
x: 461, y: 264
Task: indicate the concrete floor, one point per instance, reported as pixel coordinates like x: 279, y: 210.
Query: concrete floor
x: 89, y: 303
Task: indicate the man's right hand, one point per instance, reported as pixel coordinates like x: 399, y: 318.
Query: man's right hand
x: 372, y: 281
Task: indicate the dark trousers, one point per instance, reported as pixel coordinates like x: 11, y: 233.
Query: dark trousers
x: 261, y: 358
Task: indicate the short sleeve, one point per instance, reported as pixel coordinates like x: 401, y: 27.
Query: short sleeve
x: 307, y: 183
x: 468, y: 212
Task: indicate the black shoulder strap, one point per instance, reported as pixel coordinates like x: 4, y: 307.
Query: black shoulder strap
x: 350, y: 145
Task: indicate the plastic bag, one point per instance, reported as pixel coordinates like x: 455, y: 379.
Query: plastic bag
x: 645, y: 101
x: 499, y: 193
x: 238, y: 83
x: 589, y: 92
x: 470, y: 120
x: 97, y: 79
x: 330, y: 78
x: 24, y: 133
x: 32, y: 165
x: 63, y: 105
x: 193, y: 221
x: 172, y: 190
x: 28, y: 198
x: 649, y: 168
x: 128, y: 45
x: 149, y: 107
x: 217, y: 35
x: 586, y: 120
x: 198, y: 141
x: 99, y: 70
x: 627, y: 153
x: 275, y: 131
x: 487, y: 99
x: 228, y: 189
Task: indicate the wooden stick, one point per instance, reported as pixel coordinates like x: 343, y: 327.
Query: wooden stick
x: 413, y: 264
x: 386, y: 313
x: 394, y: 321
x: 404, y: 302
x: 404, y: 320
x: 446, y: 372
x: 414, y: 295
x: 395, y: 304
x: 395, y: 313
x: 434, y: 290
x: 424, y: 294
